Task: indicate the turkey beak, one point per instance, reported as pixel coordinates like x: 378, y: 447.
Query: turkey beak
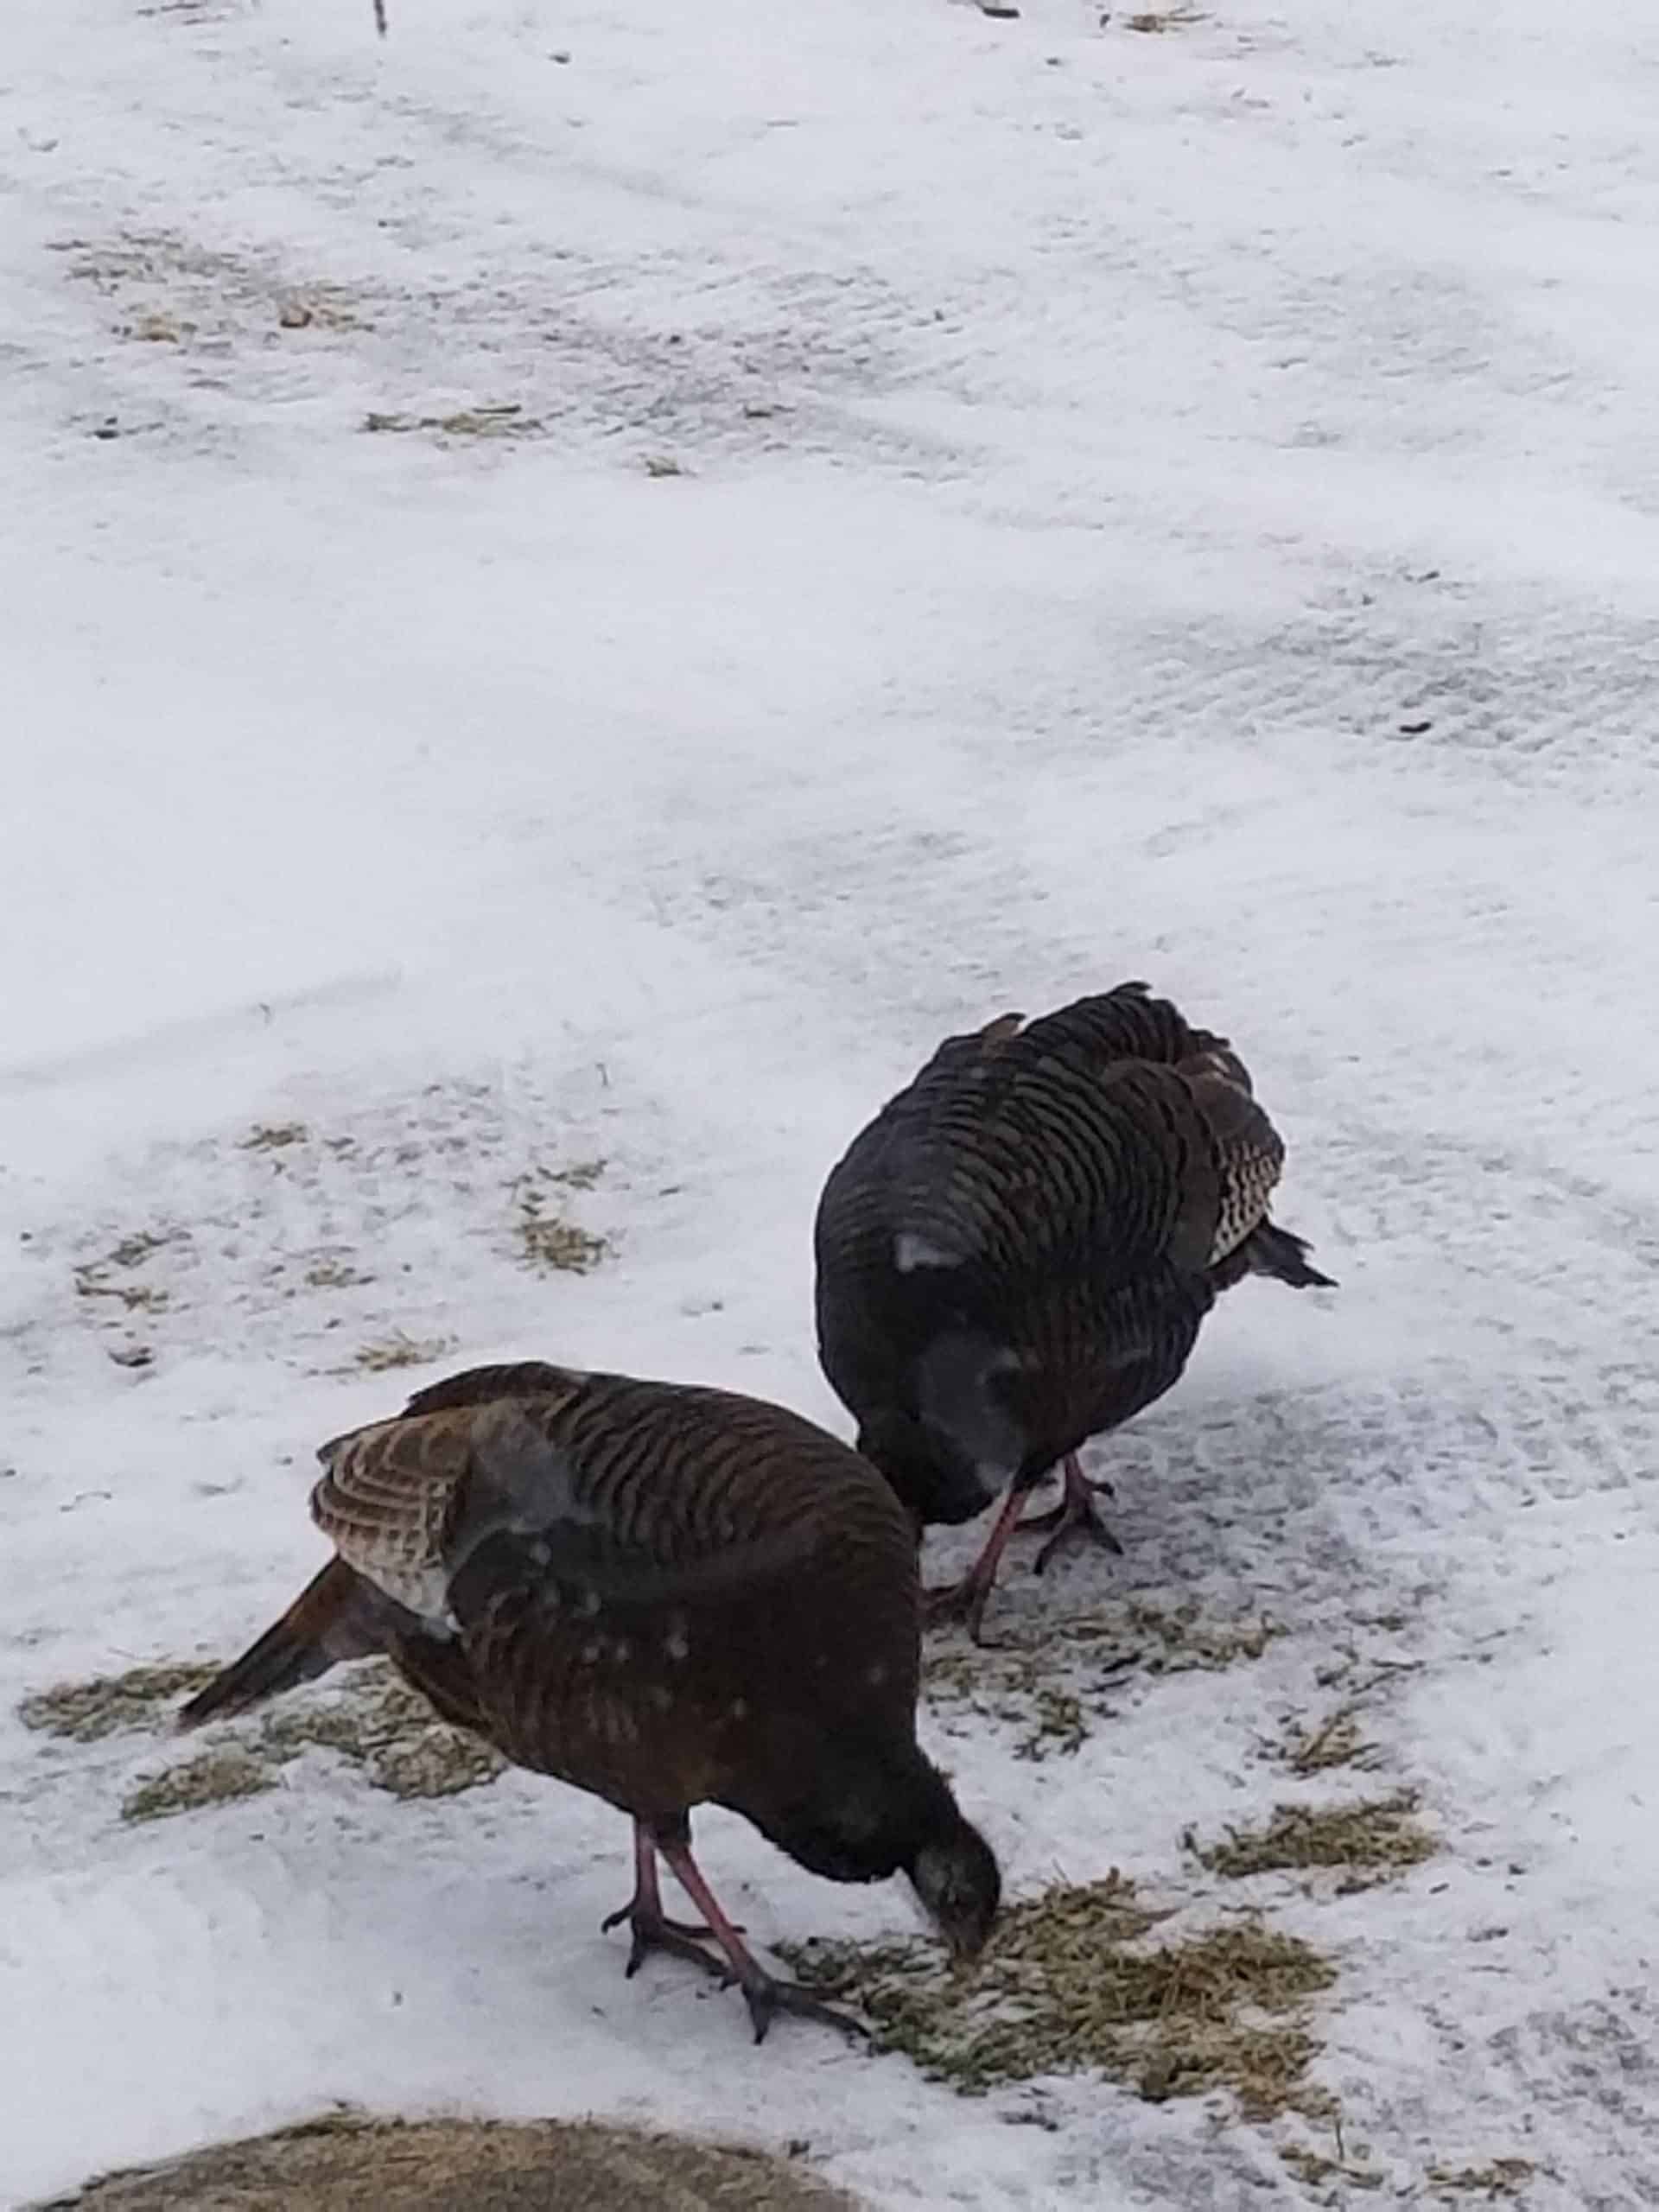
x: 965, y: 1944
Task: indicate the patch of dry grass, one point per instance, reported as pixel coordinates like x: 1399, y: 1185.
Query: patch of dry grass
x: 132, y: 1297
x: 551, y: 1243
x: 213, y: 1778
x: 189, y: 11
x: 317, y: 311
x: 581, y: 1175
x: 1154, y: 22
x: 1336, y: 1741
x: 155, y: 326
x: 275, y: 1136
x: 1368, y: 1841
x: 440, y: 1762
x: 1068, y: 1982
x: 94, y: 1278
x: 390, y: 1731
x: 375, y: 1719
x: 546, y: 1237
x: 1315, y: 2169
x: 1024, y: 1686
x: 334, y: 1272
x: 387, y: 1353
x: 507, y: 420
x: 1057, y: 1723
x: 1055, y: 1686
x: 1499, y: 2177
x: 83, y: 1712
x: 143, y: 1245
x: 1190, y: 1644
x: 174, y: 287
x: 133, y: 257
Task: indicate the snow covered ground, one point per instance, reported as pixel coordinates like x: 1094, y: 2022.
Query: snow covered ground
x: 992, y: 508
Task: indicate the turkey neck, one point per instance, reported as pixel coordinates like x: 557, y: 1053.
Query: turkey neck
x: 854, y: 1814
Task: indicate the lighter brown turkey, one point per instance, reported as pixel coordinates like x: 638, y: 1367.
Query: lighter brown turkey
x: 667, y: 1596
x: 1017, y: 1252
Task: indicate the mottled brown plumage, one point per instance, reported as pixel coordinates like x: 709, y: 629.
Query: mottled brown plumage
x: 1017, y: 1253
x: 663, y: 1595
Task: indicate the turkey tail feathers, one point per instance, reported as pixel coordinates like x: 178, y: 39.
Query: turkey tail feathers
x: 1271, y: 1251
x: 332, y: 1619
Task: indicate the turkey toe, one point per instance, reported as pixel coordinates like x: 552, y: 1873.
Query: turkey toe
x: 766, y: 1998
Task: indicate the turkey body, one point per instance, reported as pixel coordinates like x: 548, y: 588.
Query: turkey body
x: 1019, y: 1252
x: 663, y: 1595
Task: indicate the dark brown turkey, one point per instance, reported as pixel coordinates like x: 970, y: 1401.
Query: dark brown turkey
x: 667, y: 1596
x: 1017, y: 1252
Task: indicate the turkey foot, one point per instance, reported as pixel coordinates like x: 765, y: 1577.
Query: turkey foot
x: 652, y: 1930
x: 964, y: 1602
x: 764, y: 1996
x: 1077, y: 1514
x: 1071, y: 1473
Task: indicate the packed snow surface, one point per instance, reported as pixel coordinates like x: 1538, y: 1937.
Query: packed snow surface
x: 579, y: 585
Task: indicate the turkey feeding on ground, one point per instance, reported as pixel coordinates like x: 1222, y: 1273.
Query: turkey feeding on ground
x: 1017, y: 1254
x: 664, y: 1595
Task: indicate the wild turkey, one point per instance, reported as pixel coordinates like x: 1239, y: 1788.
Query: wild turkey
x: 1017, y: 1253
x: 664, y: 1595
